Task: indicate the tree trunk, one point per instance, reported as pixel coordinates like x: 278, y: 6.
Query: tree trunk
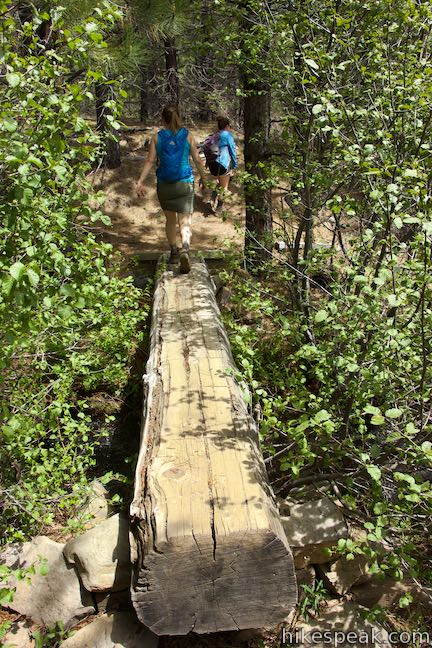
x: 112, y: 158
x: 205, y: 63
x: 173, y: 83
x: 144, y: 95
x: 256, y: 120
x: 208, y: 548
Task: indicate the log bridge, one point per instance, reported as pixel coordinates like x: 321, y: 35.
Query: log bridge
x: 208, y: 548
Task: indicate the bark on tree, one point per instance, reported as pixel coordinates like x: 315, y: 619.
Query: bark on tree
x: 112, y: 158
x: 208, y: 547
x: 144, y: 95
x: 205, y: 63
x: 256, y: 120
x: 173, y: 83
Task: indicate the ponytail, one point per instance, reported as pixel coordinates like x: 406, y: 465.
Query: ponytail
x: 171, y: 117
x: 222, y: 122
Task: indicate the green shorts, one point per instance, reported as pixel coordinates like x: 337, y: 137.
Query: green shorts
x: 176, y: 196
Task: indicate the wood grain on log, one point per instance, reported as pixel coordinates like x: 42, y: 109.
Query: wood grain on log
x: 209, y: 550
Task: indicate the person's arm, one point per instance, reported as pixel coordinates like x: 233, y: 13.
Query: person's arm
x: 232, y: 151
x: 196, y: 158
x: 151, y: 157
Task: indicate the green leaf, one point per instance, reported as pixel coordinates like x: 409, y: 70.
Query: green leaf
x: 352, y: 367
x: 411, y: 429
x: 393, y: 300
x: 377, y: 419
x: 105, y: 219
x: 91, y: 27
x: 24, y: 195
x: 44, y: 569
x: 379, y: 508
x: 374, y: 472
x: 392, y: 188
x: 321, y: 416
x: 393, y: 413
x: 33, y: 277
x: 370, y: 409
x: 6, y: 596
x: 317, y: 109
x: 405, y: 600
x: 10, y: 124
x: 17, y: 270
x: 8, y: 284
x: 13, y: 79
x: 321, y: 316
x: 312, y: 64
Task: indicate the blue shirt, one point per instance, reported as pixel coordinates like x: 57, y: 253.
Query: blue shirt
x: 227, y: 154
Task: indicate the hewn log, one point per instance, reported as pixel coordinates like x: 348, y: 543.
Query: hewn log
x: 209, y: 550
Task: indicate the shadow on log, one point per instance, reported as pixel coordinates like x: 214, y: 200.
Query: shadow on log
x: 208, y: 546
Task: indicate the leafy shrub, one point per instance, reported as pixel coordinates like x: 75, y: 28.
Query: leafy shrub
x: 339, y: 398
x: 69, y: 324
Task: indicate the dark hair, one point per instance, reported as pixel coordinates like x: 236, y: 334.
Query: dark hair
x: 222, y: 122
x: 171, y: 117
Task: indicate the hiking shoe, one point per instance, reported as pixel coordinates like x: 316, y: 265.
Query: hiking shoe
x: 184, y: 260
x: 174, y: 256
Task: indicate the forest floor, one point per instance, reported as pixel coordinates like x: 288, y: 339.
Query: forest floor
x: 138, y: 225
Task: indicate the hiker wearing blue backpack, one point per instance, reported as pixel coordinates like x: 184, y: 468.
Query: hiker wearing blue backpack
x: 220, y: 154
x: 172, y: 147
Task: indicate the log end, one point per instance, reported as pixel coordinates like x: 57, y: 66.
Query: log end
x: 202, y: 584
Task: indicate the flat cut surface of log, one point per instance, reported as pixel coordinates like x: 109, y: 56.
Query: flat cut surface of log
x: 209, y: 550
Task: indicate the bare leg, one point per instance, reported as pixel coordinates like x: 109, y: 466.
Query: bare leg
x: 185, y: 221
x: 223, y: 182
x: 171, y: 227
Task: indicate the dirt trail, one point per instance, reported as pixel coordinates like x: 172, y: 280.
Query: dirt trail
x: 139, y: 225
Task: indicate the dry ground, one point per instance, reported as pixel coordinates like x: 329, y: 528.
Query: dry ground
x: 138, y: 224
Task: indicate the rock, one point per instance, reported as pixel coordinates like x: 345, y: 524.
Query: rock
x: 113, y: 601
x: 10, y: 554
x: 118, y: 630
x: 386, y: 593
x: 102, y: 555
x: 340, y: 625
x: 343, y: 574
x: 218, y: 283
x: 141, y: 281
x: 51, y: 598
x: 19, y: 636
x: 358, y: 533
x: 223, y: 296
x: 284, y: 507
x: 304, y: 576
x: 96, y: 507
x: 311, y: 528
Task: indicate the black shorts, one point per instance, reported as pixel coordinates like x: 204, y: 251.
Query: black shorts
x: 217, y: 169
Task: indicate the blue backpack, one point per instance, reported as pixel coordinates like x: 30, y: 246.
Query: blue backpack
x: 172, y: 167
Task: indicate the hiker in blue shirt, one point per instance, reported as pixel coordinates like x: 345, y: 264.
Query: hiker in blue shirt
x: 173, y: 146
x: 221, y: 158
